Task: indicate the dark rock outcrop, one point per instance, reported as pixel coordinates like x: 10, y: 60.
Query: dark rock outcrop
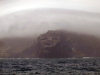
x: 62, y: 44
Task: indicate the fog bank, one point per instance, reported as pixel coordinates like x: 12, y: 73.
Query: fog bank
x: 34, y: 22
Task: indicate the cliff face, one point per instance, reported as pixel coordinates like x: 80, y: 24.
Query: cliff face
x: 62, y: 44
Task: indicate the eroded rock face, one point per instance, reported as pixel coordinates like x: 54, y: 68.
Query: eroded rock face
x: 62, y: 44
x: 54, y: 44
x: 49, y: 39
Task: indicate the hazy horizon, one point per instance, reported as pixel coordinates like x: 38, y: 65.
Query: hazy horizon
x: 33, y: 22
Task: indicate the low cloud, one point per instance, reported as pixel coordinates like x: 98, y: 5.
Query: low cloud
x: 34, y: 22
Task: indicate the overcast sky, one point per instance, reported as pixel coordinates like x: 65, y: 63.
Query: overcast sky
x: 8, y: 6
x: 24, y: 23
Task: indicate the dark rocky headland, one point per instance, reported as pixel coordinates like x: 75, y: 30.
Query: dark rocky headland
x: 61, y: 44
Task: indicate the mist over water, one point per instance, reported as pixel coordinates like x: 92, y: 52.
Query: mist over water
x: 34, y: 22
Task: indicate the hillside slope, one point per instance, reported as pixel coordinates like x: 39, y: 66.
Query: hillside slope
x: 62, y: 44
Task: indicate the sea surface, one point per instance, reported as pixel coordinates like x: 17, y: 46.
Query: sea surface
x: 61, y: 66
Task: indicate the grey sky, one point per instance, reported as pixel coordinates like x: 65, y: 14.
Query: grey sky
x: 20, y: 23
x: 8, y: 6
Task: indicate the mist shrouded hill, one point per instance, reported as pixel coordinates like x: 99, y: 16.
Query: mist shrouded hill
x: 62, y: 44
x: 52, y: 44
x: 19, y: 30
